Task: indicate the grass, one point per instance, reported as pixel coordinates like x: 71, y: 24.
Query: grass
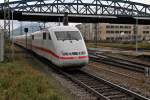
x: 141, y: 45
x: 20, y: 81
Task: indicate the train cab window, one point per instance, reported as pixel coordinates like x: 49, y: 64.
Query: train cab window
x: 32, y: 37
x: 44, y: 36
x: 68, y: 35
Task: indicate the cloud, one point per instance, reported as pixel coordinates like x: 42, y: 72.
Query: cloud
x: 142, y: 1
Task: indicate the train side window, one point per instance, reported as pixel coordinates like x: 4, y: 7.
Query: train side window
x: 44, y: 36
x: 32, y: 37
x: 50, y: 37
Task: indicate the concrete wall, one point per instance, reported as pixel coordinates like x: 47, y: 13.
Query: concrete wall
x: 1, y: 46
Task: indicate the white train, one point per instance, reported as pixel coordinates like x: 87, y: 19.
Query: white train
x: 64, y: 46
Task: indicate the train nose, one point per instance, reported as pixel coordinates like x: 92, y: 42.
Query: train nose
x: 76, y: 62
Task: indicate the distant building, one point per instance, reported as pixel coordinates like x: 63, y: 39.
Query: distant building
x: 114, y: 32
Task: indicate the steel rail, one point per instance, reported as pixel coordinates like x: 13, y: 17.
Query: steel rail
x: 103, y: 89
x: 118, y: 62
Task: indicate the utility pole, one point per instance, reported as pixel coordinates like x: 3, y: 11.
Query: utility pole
x: 6, y: 19
x: 21, y: 28
x: 136, y: 36
x: 1, y: 46
x: 96, y: 34
x: 12, y: 37
x: 6, y: 32
x: 26, y: 31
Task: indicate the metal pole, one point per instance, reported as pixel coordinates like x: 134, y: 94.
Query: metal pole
x: 12, y: 47
x: 1, y: 46
x: 136, y: 36
x: 21, y: 28
x: 96, y: 33
x: 26, y: 40
x: 7, y: 19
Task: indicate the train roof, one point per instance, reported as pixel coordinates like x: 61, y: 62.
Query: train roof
x: 55, y: 28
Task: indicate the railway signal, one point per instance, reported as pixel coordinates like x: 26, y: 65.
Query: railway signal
x: 26, y: 31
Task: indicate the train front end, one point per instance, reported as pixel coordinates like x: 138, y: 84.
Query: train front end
x: 71, y: 47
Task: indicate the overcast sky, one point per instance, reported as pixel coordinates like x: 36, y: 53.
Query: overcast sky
x: 142, y: 1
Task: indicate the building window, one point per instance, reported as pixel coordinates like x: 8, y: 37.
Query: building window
x: 44, y: 36
x: 117, y: 32
x: 126, y: 32
x: 145, y: 32
x: 107, y: 31
x: 112, y: 32
x: 121, y: 26
x: 107, y: 26
x: 129, y: 27
x: 121, y: 31
x: 116, y: 26
x: 112, y: 26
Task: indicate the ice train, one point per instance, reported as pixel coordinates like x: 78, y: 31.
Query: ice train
x: 64, y: 46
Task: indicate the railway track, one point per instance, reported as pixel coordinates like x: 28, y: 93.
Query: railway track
x: 102, y: 89
x: 123, y: 63
x: 118, y: 73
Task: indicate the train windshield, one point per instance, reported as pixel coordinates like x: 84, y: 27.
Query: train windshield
x: 68, y: 35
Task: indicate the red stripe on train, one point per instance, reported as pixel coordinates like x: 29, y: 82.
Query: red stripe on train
x: 55, y: 55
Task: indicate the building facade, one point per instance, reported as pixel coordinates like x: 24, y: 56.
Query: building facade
x: 114, y: 32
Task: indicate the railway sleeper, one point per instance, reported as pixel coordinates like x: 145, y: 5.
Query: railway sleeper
x: 96, y: 86
x: 82, y: 77
x: 104, y: 89
x: 118, y: 96
x: 111, y: 93
x: 87, y: 80
x: 127, y: 98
